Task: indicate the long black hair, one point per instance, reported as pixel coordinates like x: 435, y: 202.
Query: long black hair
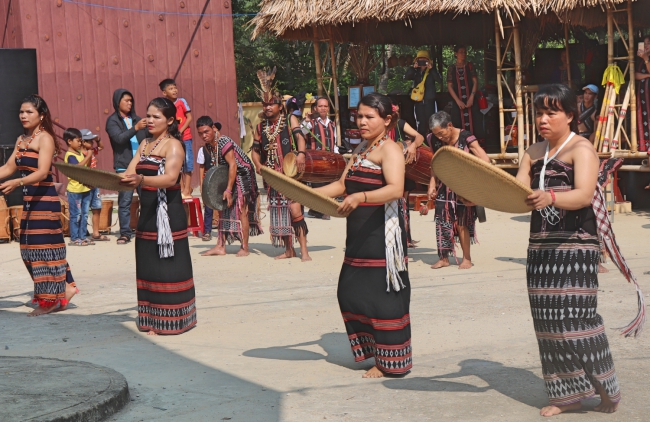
x: 168, y: 110
x: 46, y: 122
x: 558, y: 97
x: 383, y: 105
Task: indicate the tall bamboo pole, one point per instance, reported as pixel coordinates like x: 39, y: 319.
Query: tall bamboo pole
x: 566, y: 49
x: 631, y: 51
x: 497, y: 40
x: 518, y: 92
x: 318, y: 64
x: 335, y: 82
x: 610, y: 36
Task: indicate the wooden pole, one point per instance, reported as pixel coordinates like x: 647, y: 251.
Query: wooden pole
x: 566, y: 49
x: 518, y: 92
x: 634, y: 147
x: 337, y: 115
x: 318, y: 64
x: 610, y: 37
x: 497, y: 39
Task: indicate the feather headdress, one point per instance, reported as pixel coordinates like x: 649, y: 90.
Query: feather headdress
x: 268, y: 91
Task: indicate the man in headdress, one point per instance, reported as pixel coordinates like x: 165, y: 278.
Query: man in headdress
x: 275, y: 137
x: 240, y: 220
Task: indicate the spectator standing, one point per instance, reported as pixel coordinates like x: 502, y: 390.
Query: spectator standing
x: 184, y: 118
x: 88, y: 146
x: 125, y: 131
x: 78, y: 194
x: 423, y: 73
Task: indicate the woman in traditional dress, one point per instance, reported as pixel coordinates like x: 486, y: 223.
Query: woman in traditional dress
x: 455, y: 217
x: 563, y: 256
x: 162, y: 253
x: 410, y: 140
x: 462, y: 84
x: 374, y: 289
x: 41, y: 237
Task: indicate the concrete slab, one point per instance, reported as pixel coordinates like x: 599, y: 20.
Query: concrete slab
x: 270, y: 344
x: 54, y: 390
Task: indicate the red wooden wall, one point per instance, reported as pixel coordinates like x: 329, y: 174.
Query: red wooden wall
x: 85, y: 52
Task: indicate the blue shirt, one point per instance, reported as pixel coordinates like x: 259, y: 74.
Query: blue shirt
x: 134, y: 139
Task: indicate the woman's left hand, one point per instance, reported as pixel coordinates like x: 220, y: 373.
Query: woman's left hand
x: 350, y: 203
x: 9, y: 186
x: 539, y: 199
x: 470, y: 101
x: 131, y: 180
x: 411, y: 153
x: 227, y: 196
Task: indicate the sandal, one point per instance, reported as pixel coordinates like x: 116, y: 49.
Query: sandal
x: 74, y: 243
x: 84, y: 243
x: 123, y: 240
x: 207, y: 237
x: 100, y: 238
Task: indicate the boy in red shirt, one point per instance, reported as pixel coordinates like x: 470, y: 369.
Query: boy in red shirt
x: 184, y: 117
x: 87, y: 138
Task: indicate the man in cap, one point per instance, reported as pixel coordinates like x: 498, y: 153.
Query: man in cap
x: 587, y: 112
x: 422, y: 70
x: 276, y: 136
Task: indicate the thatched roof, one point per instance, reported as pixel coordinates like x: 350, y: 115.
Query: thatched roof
x: 358, y: 20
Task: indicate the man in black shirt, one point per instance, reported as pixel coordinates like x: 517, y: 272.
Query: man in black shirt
x: 423, y: 69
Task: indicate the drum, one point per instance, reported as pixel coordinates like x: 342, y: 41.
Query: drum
x: 420, y: 170
x: 215, y: 183
x: 5, y: 221
x: 15, y: 214
x: 320, y: 166
x: 65, y: 218
x: 106, y: 216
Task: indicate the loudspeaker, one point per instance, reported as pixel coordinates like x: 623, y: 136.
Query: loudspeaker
x: 15, y: 197
x: 18, y: 79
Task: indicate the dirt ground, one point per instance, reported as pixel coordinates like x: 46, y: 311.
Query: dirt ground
x: 270, y: 344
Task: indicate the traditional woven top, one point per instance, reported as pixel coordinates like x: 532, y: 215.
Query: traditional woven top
x: 92, y: 177
x: 300, y: 193
x: 480, y: 182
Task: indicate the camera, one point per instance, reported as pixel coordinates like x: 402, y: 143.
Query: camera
x: 422, y: 62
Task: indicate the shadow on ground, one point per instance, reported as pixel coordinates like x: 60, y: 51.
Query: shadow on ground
x: 524, y: 218
x: 516, y: 383
x: 521, y: 261
x: 336, y: 348
x: 260, y: 248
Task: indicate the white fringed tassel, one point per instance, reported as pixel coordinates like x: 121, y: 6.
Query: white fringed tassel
x: 394, y: 249
x: 165, y: 239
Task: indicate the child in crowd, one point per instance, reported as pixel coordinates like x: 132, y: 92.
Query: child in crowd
x: 184, y: 117
x: 78, y: 194
x: 206, y: 159
x: 88, y: 139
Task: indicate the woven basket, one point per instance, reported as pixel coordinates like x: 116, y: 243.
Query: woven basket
x: 300, y: 193
x: 92, y: 177
x: 480, y: 182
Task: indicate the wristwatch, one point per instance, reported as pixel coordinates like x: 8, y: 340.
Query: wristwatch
x: 21, y: 182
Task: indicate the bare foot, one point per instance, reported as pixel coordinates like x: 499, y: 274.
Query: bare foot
x: 373, y: 372
x: 217, y: 250
x: 465, y: 264
x: 42, y: 311
x: 602, y: 269
x: 305, y: 258
x: 70, y: 291
x: 288, y: 254
x: 243, y: 252
x: 556, y: 410
x: 606, y: 405
x: 444, y: 262
x: 152, y: 333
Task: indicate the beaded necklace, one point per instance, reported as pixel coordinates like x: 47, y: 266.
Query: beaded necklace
x: 154, y: 146
x: 363, y: 154
x: 27, y: 140
x: 272, y: 131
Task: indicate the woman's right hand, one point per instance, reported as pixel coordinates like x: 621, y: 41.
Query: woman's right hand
x: 432, y: 192
x: 461, y: 104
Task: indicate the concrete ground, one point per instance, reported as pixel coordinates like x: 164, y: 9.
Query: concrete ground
x: 270, y: 343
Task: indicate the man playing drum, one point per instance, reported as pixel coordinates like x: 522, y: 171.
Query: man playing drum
x: 321, y: 135
x: 275, y: 137
x: 240, y: 219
